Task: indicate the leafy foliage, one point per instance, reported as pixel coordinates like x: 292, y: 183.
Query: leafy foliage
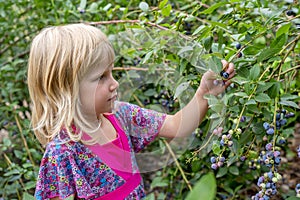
x: 168, y: 45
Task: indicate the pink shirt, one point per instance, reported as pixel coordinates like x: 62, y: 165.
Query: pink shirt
x: 71, y: 168
x: 116, y: 154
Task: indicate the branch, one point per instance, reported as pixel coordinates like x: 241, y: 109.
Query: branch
x: 138, y: 69
x: 17, y: 56
x: 178, y: 165
x: 134, y: 21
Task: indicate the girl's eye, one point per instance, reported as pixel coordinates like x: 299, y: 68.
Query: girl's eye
x: 101, y: 77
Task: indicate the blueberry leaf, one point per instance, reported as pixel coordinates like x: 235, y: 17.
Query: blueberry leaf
x: 262, y: 98
x: 208, y: 184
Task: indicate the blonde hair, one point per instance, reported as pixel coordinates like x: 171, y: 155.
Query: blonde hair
x: 59, y: 58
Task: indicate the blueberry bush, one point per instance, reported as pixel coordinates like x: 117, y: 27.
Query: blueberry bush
x: 247, y: 144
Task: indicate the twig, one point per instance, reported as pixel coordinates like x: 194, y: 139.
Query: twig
x: 134, y: 21
x: 137, y: 69
x: 17, y: 56
x: 24, y: 140
x: 178, y: 165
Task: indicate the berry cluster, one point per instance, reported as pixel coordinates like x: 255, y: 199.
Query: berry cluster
x: 218, y: 131
x: 269, y: 129
x: 267, y: 184
x: 270, y: 157
x: 226, y: 140
x: 281, y: 120
x: 217, y: 162
x: 253, y: 164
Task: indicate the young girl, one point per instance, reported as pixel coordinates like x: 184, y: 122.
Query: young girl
x: 90, y: 137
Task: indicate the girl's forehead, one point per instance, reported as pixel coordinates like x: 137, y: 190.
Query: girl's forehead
x: 100, y: 67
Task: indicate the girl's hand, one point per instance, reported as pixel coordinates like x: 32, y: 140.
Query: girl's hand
x: 210, y: 83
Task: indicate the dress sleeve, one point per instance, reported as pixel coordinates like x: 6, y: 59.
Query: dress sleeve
x: 142, y: 125
x: 60, y: 176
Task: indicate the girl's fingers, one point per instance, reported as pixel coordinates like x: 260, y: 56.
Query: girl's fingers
x: 230, y: 68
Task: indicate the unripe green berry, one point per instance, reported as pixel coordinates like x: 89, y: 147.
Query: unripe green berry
x: 278, y: 176
x: 230, y: 131
x: 274, y: 179
x: 262, y: 185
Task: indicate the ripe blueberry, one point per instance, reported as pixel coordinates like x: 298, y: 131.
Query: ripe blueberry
x: 240, y: 54
x: 225, y: 75
x: 290, y: 13
x: 266, y: 125
x: 238, y: 46
x: 270, y: 131
x: 213, y: 160
x: 214, y: 166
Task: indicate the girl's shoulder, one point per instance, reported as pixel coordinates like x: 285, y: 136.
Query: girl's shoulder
x: 62, y: 145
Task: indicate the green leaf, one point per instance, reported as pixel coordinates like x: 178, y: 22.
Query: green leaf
x: 274, y: 90
x: 221, y: 172
x: 216, y: 148
x: 144, y: 6
x: 289, y: 103
x: 262, y: 97
x: 289, y: 97
x: 293, y: 198
x: 268, y: 53
x: 181, y: 88
x: 27, y: 196
x: 264, y: 86
x: 250, y: 102
x: 279, y: 42
x: 200, y: 29
x: 18, y: 154
x: 231, y: 160
x: 150, y: 196
x: 253, y: 108
x: 148, y: 55
x: 234, y: 170
x: 205, y: 188
x: 162, y: 4
x: 158, y: 182
x: 284, y: 29
x: 258, y: 128
x: 254, y: 72
x: 166, y: 10
x: 213, y: 7
x: 184, y: 49
x: 29, y: 185
x: 82, y: 5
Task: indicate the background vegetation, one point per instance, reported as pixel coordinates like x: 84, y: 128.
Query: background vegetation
x: 168, y: 45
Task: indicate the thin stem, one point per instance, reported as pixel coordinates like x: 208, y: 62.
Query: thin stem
x: 178, y: 165
x: 135, y: 21
x: 139, y: 69
x: 291, y: 69
x: 24, y: 140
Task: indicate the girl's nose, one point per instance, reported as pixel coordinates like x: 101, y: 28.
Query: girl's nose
x: 114, y: 85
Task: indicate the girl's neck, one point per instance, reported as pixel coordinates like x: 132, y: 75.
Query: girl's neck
x: 106, y: 133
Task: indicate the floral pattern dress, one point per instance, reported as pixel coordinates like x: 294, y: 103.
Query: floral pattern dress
x: 70, y: 168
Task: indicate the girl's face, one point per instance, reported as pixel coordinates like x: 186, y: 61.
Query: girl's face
x: 98, y: 90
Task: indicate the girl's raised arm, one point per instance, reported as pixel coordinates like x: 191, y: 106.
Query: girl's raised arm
x: 185, y: 121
